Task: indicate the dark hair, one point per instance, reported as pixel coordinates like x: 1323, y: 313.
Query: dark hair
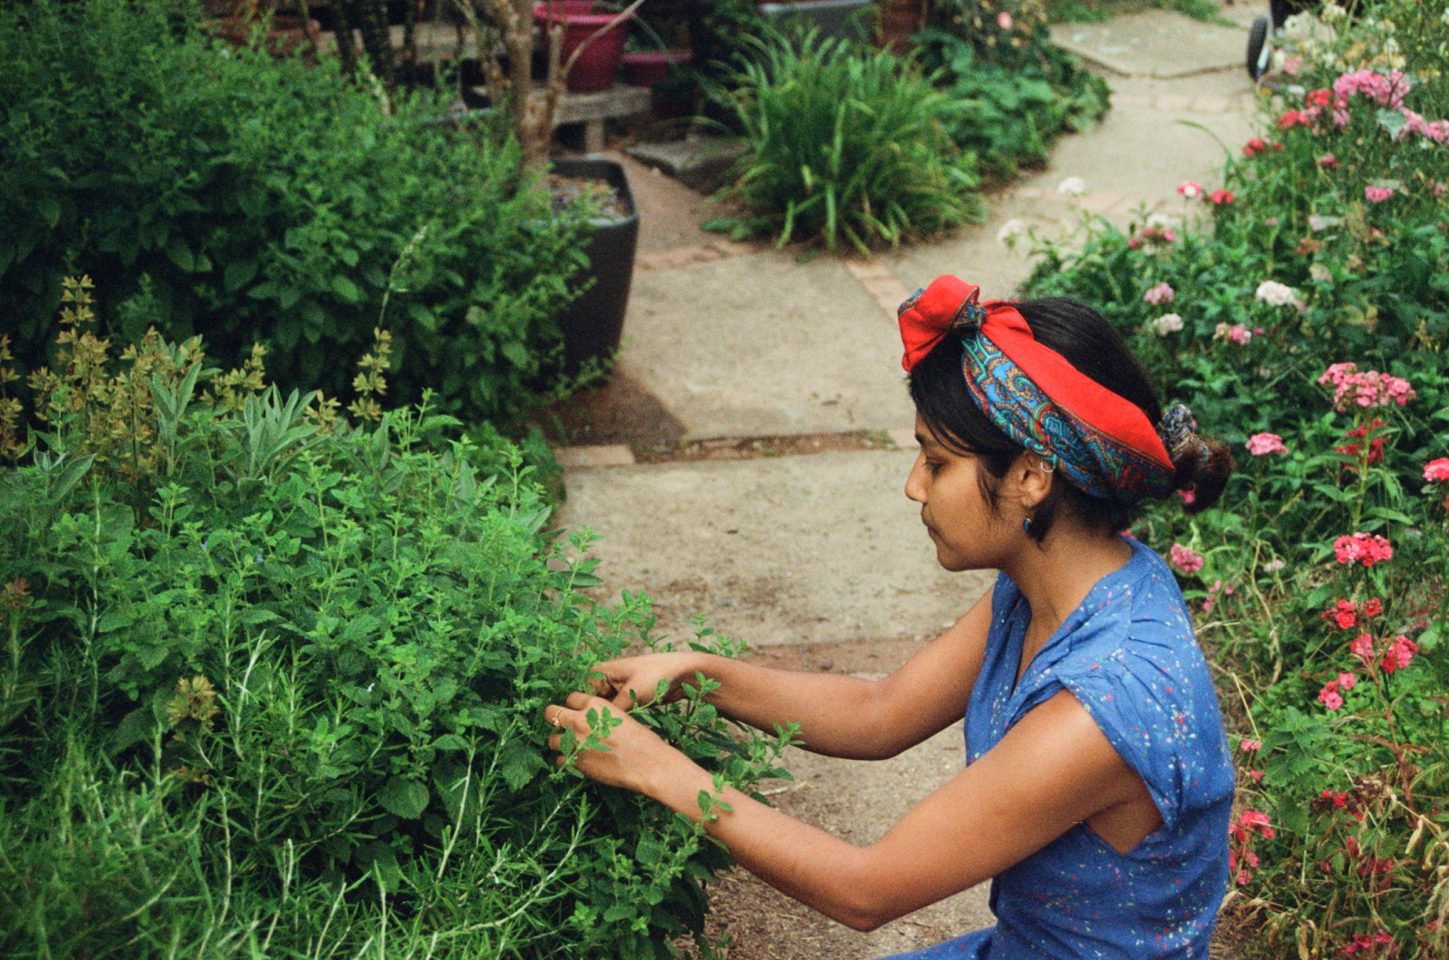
x: 1080, y: 334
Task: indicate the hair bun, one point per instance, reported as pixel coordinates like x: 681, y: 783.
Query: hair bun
x: 1203, y: 466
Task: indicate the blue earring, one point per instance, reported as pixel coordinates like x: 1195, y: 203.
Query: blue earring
x: 1026, y: 525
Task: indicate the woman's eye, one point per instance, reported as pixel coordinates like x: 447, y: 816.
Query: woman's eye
x: 933, y: 467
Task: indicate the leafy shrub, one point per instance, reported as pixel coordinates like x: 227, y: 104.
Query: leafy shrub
x: 250, y: 199
x: 272, y: 684
x: 844, y: 145
x: 1308, y: 328
x: 1013, y: 96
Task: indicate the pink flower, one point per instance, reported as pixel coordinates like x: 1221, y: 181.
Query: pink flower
x: 1437, y: 471
x: 1343, y: 613
x: 1363, y: 548
x: 1237, y: 334
x: 1160, y: 294
x: 1255, y: 821
x: 1377, y: 194
x: 1346, y: 680
x: 1363, y: 648
x: 1329, y: 697
x: 1263, y: 444
x: 1185, y: 558
x: 1399, y: 654
x: 1386, y: 90
x: 1371, y: 388
x: 1003, y: 20
x: 1327, y: 161
x: 1221, y: 198
x: 1190, y: 189
x: 1372, y: 608
x: 1254, y: 146
x: 1250, y: 746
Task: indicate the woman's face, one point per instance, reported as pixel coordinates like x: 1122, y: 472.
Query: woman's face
x: 957, y: 515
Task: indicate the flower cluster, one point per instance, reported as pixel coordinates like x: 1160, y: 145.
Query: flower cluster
x: 1191, y: 189
x: 1345, y: 614
x: 1258, y: 145
x: 1278, y: 294
x: 1370, y: 388
x: 1385, y: 91
x: 1437, y: 470
x: 1263, y: 444
x: 1171, y: 323
x: 1235, y: 333
x: 1152, y: 235
x: 1160, y: 294
x: 1185, y: 559
x: 1364, y: 942
x: 1364, y: 431
x: 1390, y: 654
x: 1242, y: 861
x: 1363, y: 548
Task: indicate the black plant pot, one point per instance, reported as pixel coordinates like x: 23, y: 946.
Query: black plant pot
x: 593, y: 324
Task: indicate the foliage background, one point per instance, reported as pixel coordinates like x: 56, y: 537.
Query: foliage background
x: 258, y: 200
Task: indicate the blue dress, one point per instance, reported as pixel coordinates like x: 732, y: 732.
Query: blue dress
x: 1129, y: 656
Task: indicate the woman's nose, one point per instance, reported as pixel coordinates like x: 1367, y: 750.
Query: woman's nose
x: 915, y: 489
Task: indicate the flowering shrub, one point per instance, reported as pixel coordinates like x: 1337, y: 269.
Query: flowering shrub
x: 1313, y: 323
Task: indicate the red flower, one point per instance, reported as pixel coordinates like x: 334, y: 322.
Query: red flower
x: 1362, y: 432
x: 1343, y: 614
x: 1399, y: 655
x: 1221, y: 198
x: 1372, y: 608
x: 1254, y: 147
x: 1321, y: 97
x: 1293, y: 118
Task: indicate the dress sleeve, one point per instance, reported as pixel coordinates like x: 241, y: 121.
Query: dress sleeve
x: 1145, y: 710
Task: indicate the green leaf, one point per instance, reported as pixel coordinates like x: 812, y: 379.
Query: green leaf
x: 403, y: 797
x: 238, y: 274
x: 346, y: 289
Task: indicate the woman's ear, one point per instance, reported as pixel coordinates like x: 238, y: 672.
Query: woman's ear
x: 1032, y: 478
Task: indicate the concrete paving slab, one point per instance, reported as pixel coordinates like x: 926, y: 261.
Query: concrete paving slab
x: 761, y: 344
x: 1155, y: 43
x: 816, y: 549
x: 1122, y: 178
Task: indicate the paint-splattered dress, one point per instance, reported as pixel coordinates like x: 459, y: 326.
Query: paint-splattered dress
x: 1129, y: 656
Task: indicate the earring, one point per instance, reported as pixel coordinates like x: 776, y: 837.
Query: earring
x: 1026, y: 525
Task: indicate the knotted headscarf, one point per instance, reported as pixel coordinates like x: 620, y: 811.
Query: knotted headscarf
x: 1102, y: 442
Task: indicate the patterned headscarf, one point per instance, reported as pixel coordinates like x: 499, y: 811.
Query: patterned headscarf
x: 1101, y: 441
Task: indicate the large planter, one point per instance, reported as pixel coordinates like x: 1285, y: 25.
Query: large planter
x: 593, y: 324
x: 645, y: 68
x: 899, y: 20
x: 599, y: 59
x: 846, y: 19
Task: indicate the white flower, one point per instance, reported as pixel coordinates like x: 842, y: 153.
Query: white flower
x: 1163, y: 221
x: 1072, y: 187
x: 1276, y: 294
x: 1010, y: 232
x: 1318, y: 224
x: 1167, y: 323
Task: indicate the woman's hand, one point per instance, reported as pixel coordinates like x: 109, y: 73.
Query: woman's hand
x: 632, y: 681
x: 635, y: 756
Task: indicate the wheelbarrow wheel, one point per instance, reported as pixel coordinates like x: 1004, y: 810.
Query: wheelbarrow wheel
x: 1259, y: 51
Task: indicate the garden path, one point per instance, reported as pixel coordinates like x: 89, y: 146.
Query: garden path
x: 746, y: 462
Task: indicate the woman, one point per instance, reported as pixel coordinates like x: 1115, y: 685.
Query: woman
x: 1097, y: 784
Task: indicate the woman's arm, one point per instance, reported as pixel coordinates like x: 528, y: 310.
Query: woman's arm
x: 1054, y: 769
x: 839, y: 716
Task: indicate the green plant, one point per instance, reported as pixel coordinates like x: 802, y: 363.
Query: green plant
x: 271, y: 684
x: 1009, y: 114
x: 845, y: 146
x: 252, y: 199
